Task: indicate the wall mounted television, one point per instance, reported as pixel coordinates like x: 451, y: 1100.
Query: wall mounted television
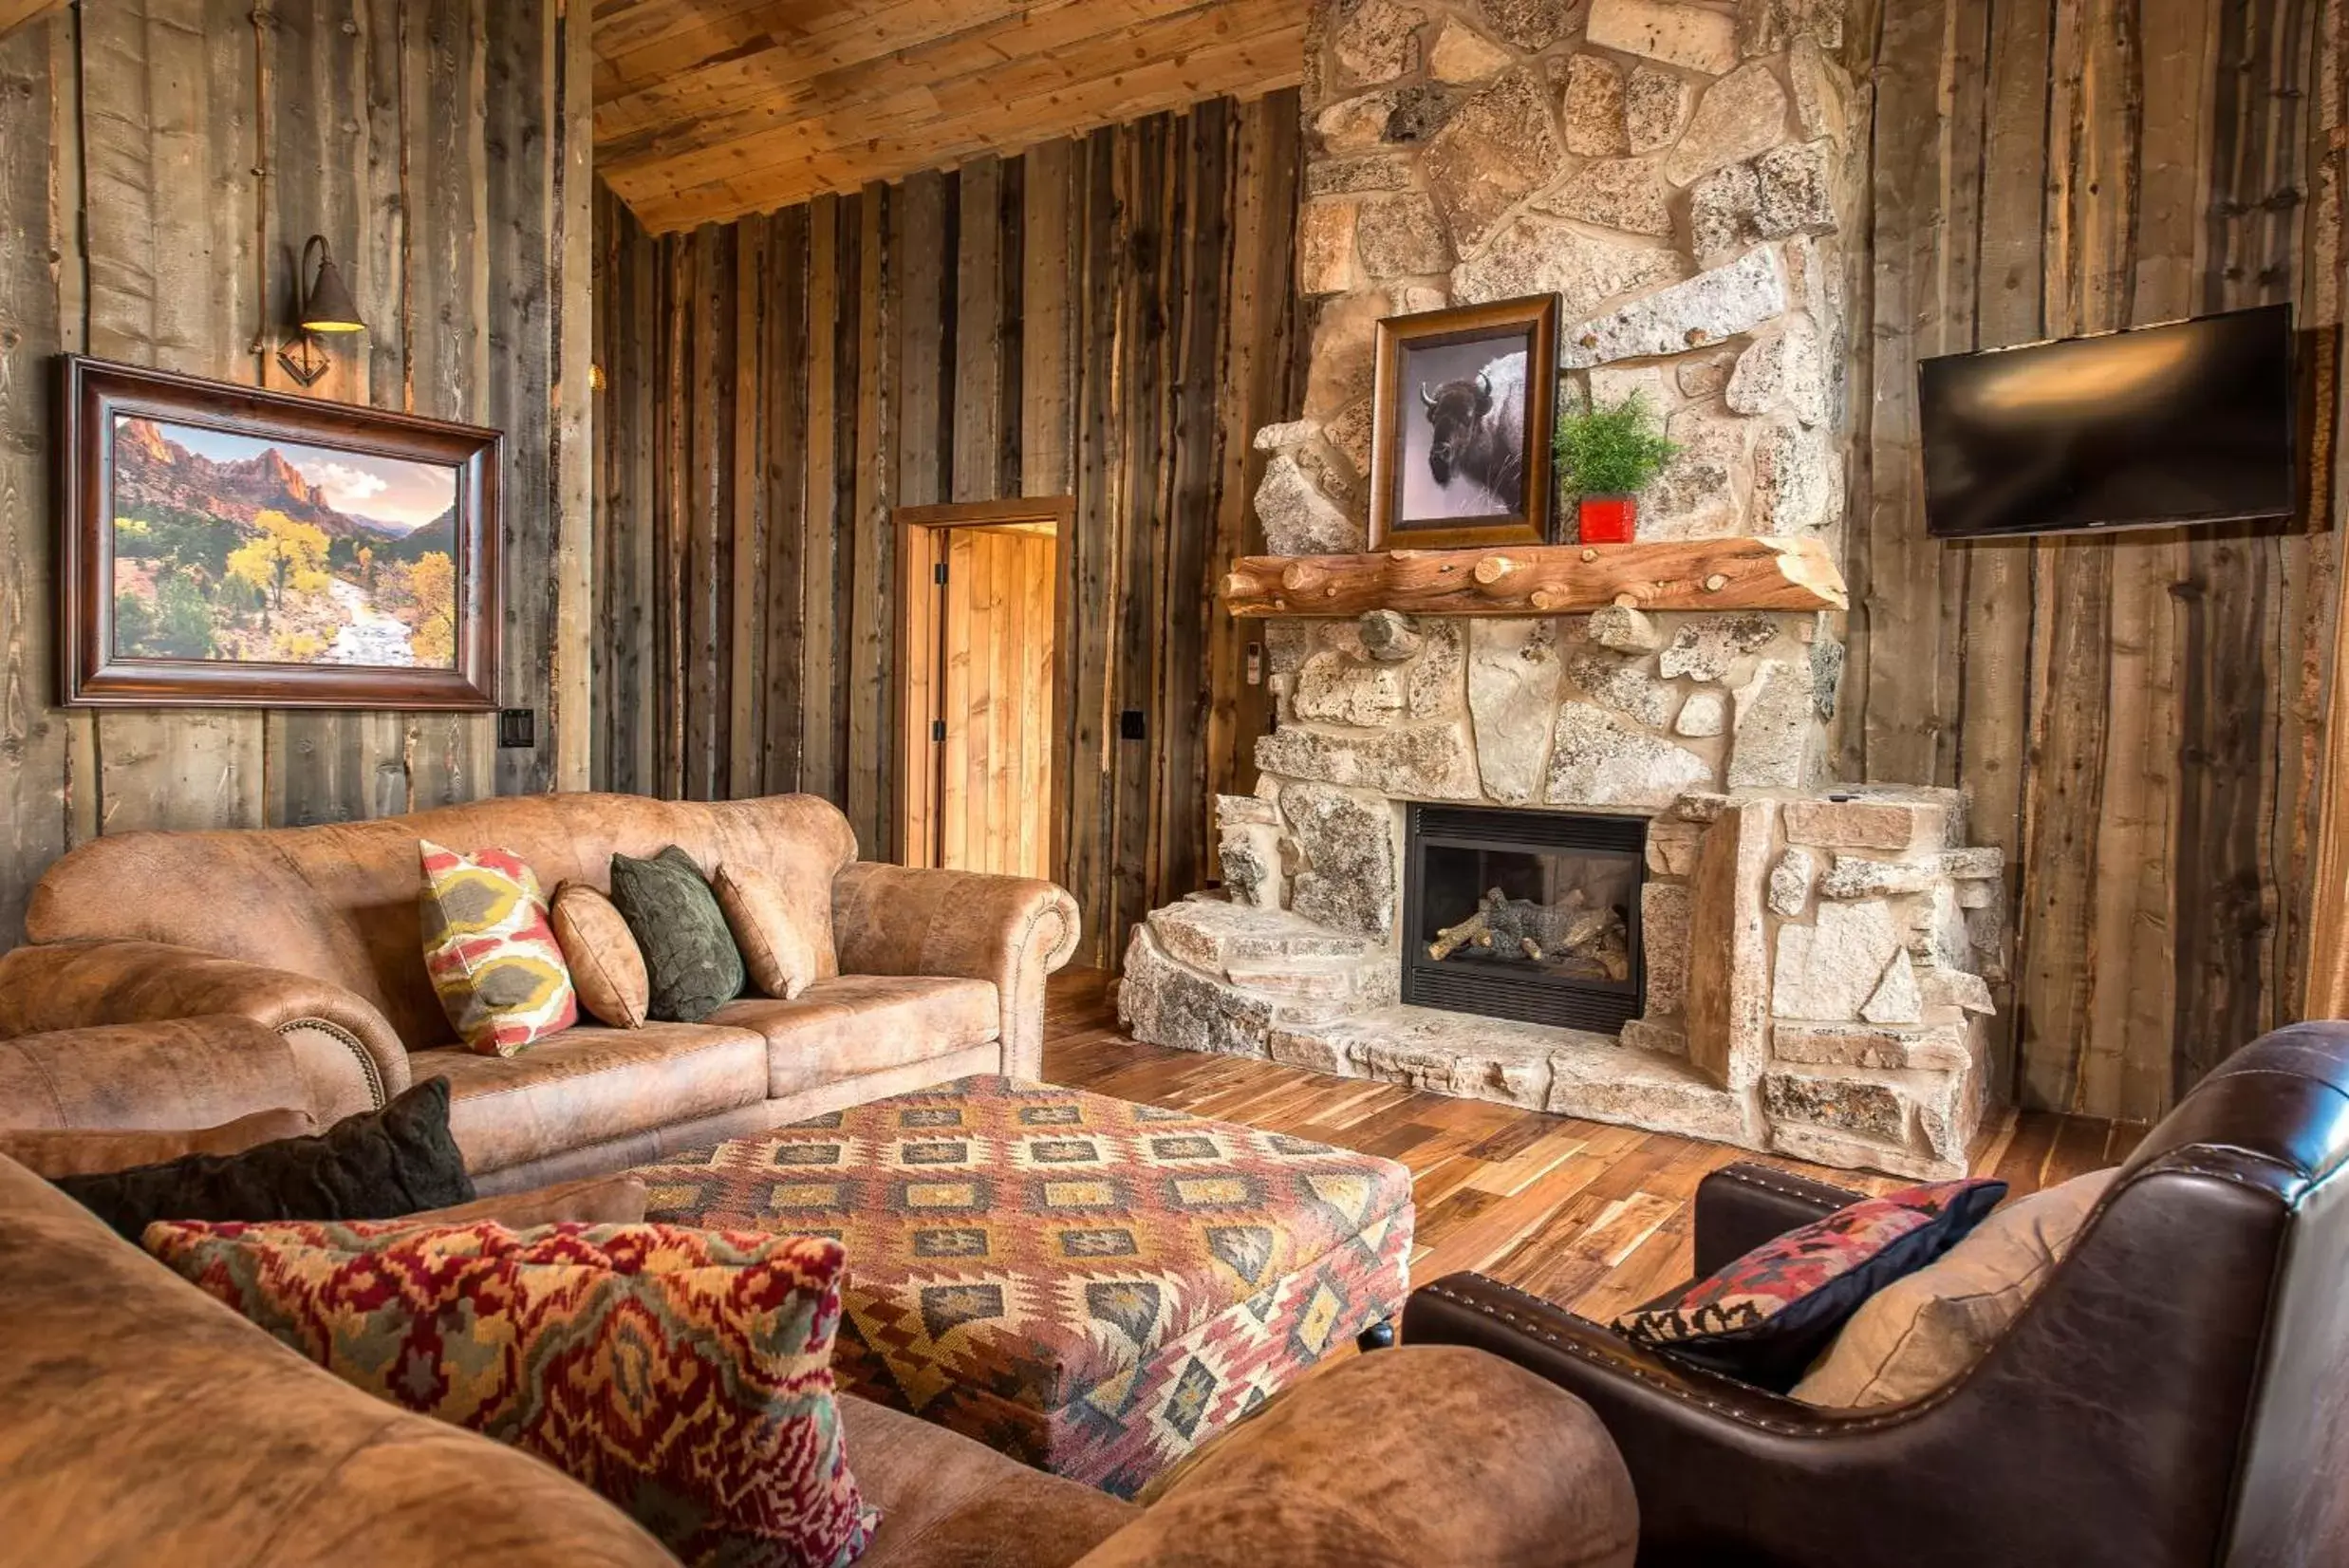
x: 2190, y: 423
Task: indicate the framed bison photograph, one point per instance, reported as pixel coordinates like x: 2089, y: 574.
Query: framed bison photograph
x: 1464, y: 404
x: 224, y: 546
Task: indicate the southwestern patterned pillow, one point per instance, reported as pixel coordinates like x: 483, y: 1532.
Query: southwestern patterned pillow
x: 1765, y: 1317
x: 684, y: 1375
x: 491, y: 952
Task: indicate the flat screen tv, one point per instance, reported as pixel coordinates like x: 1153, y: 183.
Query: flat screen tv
x: 2190, y: 423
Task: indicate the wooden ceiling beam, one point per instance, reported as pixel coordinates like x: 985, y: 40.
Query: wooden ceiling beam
x: 768, y: 50
x: 795, y: 103
x: 1079, y: 39
x: 16, y: 13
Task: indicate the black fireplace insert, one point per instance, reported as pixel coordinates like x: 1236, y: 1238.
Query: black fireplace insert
x: 1529, y: 915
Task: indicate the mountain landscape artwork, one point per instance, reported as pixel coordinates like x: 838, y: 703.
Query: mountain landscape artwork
x: 234, y: 548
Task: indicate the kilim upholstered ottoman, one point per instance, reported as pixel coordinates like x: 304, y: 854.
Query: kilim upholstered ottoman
x: 1091, y: 1286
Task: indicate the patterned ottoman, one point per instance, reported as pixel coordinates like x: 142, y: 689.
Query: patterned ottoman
x: 1091, y: 1286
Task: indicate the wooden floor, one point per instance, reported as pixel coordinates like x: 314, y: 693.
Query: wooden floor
x: 1592, y: 1217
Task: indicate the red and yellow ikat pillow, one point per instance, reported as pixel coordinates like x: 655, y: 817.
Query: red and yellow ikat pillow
x: 1765, y: 1317
x: 491, y: 952
x: 683, y: 1374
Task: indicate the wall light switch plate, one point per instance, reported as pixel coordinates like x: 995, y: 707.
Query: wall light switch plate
x: 1133, y: 724
x: 518, y: 729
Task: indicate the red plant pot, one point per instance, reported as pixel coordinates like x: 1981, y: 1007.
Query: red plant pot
x: 1609, y: 520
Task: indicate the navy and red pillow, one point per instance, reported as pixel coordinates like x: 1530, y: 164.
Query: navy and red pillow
x: 1765, y: 1318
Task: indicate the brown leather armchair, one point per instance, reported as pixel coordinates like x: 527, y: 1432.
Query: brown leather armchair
x: 2178, y: 1393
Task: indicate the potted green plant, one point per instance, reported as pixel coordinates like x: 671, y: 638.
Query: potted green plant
x: 1606, y: 454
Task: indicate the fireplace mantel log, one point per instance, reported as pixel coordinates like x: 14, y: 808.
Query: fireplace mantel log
x: 1688, y: 574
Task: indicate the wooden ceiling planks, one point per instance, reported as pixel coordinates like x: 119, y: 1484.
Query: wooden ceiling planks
x: 707, y: 110
x: 15, y: 13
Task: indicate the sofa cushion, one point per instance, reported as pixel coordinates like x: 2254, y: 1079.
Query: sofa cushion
x: 945, y: 1498
x: 857, y: 1024
x: 489, y: 951
x: 690, y: 958
x: 606, y: 963
x: 595, y: 1201
x: 588, y: 1086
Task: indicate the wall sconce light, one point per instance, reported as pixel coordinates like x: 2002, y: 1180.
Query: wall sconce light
x: 326, y: 306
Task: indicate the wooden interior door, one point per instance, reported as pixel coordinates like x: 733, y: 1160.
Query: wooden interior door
x: 980, y: 675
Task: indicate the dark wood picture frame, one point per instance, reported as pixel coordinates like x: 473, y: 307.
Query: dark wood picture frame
x: 1534, y: 320
x: 93, y: 393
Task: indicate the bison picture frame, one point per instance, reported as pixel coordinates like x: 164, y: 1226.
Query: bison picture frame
x: 224, y: 546
x: 1460, y: 449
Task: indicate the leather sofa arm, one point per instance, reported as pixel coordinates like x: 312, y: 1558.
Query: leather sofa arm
x: 345, y: 1055
x: 1741, y: 1206
x: 894, y: 920
x: 1400, y: 1457
x: 178, y: 1075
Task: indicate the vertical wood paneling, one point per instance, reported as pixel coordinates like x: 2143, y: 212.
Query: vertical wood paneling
x: 336, y: 175
x: 781, y: 688
x: 447, y: 310
x: 865, y: 674
x: 36, y: 754
x: 747, y: 582
x: 2133, y: 716
x: 161, y: 165
x: 170, y: 212
x: 1110, y: 319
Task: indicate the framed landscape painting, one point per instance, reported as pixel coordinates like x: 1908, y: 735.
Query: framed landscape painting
x: 226, y: 546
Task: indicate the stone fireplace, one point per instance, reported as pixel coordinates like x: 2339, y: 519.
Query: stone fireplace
x: 1683, y: 923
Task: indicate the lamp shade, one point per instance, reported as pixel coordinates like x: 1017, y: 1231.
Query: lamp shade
x: 327, y: 304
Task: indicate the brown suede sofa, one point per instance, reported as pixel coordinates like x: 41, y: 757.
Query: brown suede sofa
x: 142, y: 1422
x: 180, y: 980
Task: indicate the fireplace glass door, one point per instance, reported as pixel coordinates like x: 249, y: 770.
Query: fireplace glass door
x: 1531, y: 915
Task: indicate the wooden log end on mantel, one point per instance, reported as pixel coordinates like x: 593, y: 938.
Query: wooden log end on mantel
x: 1681, y: 574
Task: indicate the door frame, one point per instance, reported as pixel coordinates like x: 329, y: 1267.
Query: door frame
x: 919, y: 785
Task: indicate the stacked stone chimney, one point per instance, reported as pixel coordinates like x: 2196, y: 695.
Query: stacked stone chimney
x: 1680, y: 173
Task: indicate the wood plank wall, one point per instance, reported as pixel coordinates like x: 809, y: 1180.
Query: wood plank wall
x: 162, y: 162
x: 2136, y: 716
x: 1110, y: 317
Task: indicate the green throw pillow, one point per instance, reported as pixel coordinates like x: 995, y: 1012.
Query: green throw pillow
x: 690, y: 958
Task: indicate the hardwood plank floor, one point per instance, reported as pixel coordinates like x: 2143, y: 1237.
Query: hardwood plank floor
x: 1590, y: 1215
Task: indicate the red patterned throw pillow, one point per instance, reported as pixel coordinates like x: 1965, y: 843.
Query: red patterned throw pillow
x: 684, y: 1375
x: 1765, y: 1317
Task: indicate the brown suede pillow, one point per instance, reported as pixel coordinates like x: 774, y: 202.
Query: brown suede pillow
x: 1923, y: 1332
x: 596, y: 1200
x: 92, y: 1153
x: 608, y: 967
x: 777, y: 934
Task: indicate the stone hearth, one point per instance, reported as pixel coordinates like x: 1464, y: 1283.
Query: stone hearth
x: 1814, y: 981
x: 1818, y: 959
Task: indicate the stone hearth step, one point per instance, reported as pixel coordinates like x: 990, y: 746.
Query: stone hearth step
x: 1568, y: 1072
x: 1213, y: 935
x: 1306, y: 979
